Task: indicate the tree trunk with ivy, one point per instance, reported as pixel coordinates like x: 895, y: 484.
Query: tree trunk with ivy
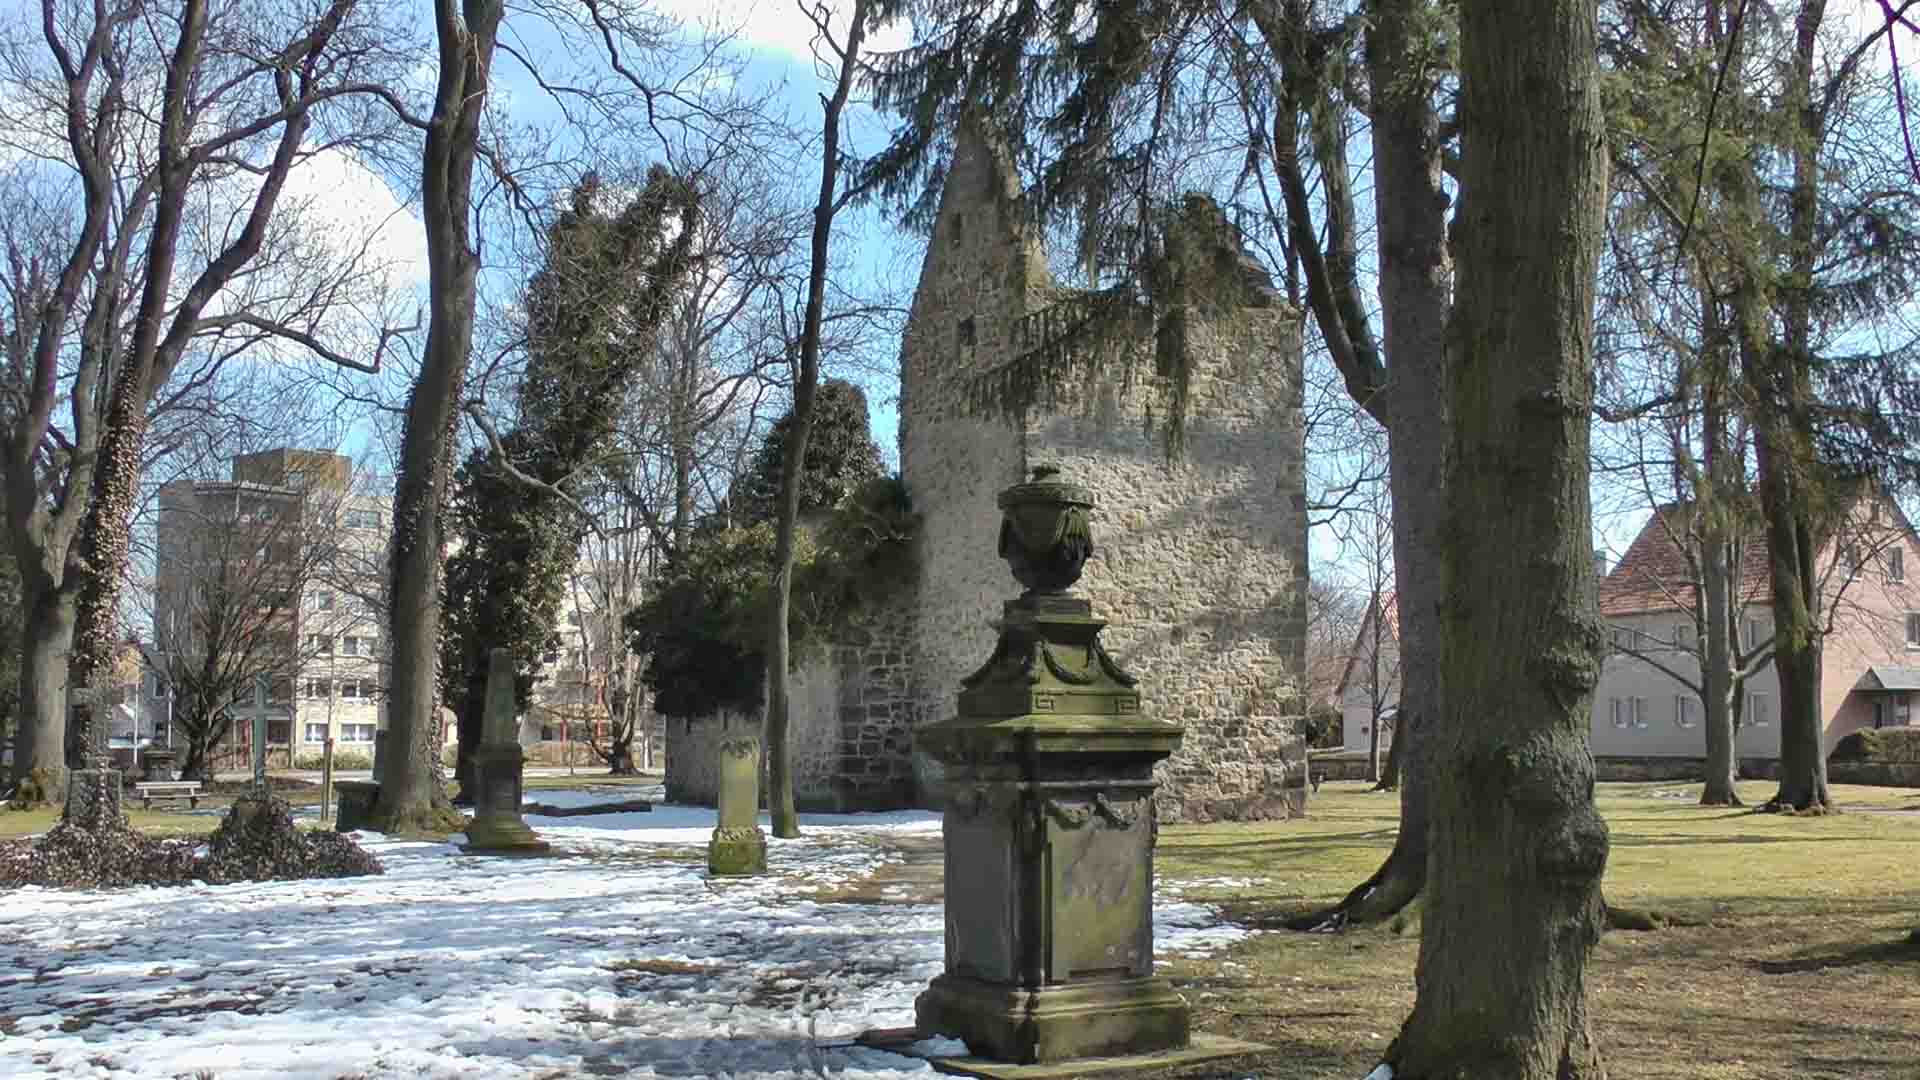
x: 1513, y: 905
x: 411, y: 797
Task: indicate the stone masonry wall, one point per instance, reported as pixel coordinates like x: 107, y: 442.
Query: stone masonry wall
x: 851, y: 727
x: 1200, y: 563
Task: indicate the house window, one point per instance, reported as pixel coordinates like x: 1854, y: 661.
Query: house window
x: 1686, y: 711
x: 316, y: 731
x: 1751, y: 633
x: 279, y: 730
x: 1893, y: 561
x: 1913, y: 629
x: 1622, y: 638
x: 362, y: 519
x: 1880, y: 714
x: 1683, y: 635
x: 1759, y: 709
x: 1640, y: 712
x: 356, y: 733
x: 1622, y: 711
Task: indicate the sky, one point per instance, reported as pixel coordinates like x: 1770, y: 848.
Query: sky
x: 358, y: 201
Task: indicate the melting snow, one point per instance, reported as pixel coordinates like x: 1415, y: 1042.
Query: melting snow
x: 615, y: 957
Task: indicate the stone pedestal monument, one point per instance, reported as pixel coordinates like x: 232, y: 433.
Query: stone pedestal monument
x: 93, y: 792
x: 1050, y: 823
x: 497, y: 828
x: 738, y: 846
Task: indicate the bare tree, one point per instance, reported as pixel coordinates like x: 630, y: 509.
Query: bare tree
x: 180, y: 127
x: 842, y: 62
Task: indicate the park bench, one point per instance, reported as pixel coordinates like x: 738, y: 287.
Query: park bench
x: 168, y: 790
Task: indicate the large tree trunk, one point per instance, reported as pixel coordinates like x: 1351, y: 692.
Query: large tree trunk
x: 1513, y: 902
x: 1416, y: 279
x: 1716, y: 676
x: 1390, y: 772
x: 1790, y: 474
x: 411, y: 797
x: 40, y: 734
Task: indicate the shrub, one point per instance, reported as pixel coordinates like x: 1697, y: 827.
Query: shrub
x: 258, y: 841
x: 1884, y: 746
x: 342, y: 759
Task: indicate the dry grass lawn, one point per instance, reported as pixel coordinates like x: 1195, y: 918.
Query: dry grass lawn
x: 1792, y: 956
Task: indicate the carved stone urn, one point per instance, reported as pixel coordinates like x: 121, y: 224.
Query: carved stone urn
x: 1049, y: 821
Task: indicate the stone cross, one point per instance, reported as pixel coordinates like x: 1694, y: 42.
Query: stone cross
x: 260, y: 751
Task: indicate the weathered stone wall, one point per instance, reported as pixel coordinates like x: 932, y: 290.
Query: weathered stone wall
x: 851, y: 726
x: 1200, y: 562
x: 874, y: 714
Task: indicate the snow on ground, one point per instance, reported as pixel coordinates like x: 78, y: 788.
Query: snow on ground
x: 615, y: 957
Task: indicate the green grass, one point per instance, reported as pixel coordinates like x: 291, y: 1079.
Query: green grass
x: 18, y: 823
x: 1794, y: 960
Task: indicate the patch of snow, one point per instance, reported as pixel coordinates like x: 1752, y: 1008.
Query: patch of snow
x: 616, y: 956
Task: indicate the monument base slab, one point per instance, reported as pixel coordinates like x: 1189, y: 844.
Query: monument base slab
x: 503, y: 837
x: 1062, y: 1022
x: 1204, y: 1047
x: 734, y: 852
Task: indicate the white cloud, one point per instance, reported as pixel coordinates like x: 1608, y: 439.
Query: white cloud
x: 778, y: 25
x: 350, y: 205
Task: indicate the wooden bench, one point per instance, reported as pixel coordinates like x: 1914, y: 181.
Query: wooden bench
x: 168, y: 791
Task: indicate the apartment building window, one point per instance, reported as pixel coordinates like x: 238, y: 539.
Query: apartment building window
x: 1893, y: 561
x: 318, y: 688
x: 350, y: 645
x: 323, y: 601
x: 356, y: 733
x: 321, y: 644
x: 1686, y: 711
x: 350, y: 688
x: 1913, y: 629
x: 361, y: 519
x: 1759, y: 709
x: 316, y: 731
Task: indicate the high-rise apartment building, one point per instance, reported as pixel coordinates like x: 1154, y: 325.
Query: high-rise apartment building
x: 270, y: 585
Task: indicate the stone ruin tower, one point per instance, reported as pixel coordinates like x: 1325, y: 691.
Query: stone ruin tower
x: 1200, y: 562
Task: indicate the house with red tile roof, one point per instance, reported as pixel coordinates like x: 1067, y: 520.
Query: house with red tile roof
x: 1642, y: 708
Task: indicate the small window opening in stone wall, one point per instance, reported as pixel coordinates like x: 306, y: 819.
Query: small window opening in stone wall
x: 966, y: 332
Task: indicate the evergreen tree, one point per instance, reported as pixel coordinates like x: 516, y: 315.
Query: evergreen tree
x: 593, y: 310
x: 841, y: 457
